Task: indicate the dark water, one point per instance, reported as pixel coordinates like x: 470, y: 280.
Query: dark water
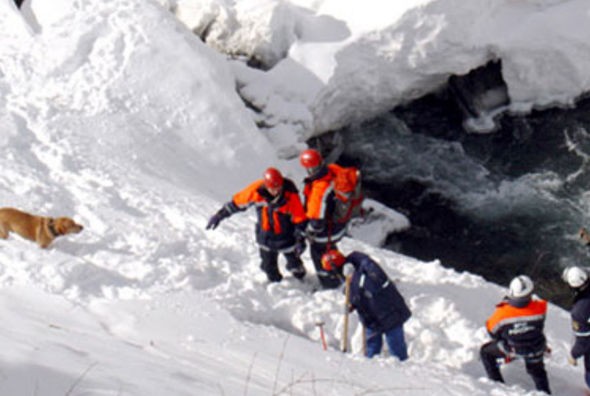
x: 497, y: 204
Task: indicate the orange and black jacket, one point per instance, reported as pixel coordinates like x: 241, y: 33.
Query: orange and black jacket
x: 519, y: 330
x: 280, y: 218
x: 318, y: 194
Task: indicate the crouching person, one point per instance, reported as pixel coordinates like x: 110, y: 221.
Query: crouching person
x: 380, y: 306
x: 516, y: 327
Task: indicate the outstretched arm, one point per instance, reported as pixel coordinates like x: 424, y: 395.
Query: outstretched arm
x: 227, y: 210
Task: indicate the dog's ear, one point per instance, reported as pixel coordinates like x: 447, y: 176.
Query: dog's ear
x: 60, y: 225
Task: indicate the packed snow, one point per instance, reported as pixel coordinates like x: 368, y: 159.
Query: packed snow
x: 118, y: 115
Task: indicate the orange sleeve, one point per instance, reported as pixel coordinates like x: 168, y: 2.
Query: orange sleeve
x: 496, y: 317
x: 248, y: 195
x: 296, y: 209
x: 315, y: 199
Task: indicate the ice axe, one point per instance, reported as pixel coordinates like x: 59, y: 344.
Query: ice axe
x: 320, y: 324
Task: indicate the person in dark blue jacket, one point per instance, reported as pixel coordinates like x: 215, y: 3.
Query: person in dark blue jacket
x: 380, y: 306
x: 578, y: 281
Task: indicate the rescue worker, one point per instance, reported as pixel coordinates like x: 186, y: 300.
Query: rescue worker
x: 516, y: 327
x: 323, y: 233
x: 281, y: 221
x: 577, y: 279
x: 380, y: 306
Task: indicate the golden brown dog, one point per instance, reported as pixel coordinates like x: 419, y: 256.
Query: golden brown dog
x: 42, y: 230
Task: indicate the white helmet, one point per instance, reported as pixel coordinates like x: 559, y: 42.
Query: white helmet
x: 575, y: 277
x: 521, y: 286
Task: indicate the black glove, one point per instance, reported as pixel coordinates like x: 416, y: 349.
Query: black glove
x: 216, y: 218
x: 300, y: 245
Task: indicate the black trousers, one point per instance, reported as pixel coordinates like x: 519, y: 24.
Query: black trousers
x: 327, y: 280
x: 535, y: 367
x: 270, y: 264
x: 587, y: 369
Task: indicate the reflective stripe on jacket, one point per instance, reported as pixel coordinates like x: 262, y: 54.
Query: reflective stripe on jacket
x: 278, y: 217
x: 520, y: 329
x: 318, y: 195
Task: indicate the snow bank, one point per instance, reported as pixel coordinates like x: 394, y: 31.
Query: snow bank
x: 103, y: 71
x: 378, y: 56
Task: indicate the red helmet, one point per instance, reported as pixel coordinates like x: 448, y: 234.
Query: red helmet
x: 273, y: 178
x: 332, y: 259
x: 310, y: 158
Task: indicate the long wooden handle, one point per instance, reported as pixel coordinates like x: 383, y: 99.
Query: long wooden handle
x: 344, y: 341
x: 364, y: 341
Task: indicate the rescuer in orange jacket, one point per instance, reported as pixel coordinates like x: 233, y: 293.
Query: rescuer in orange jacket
x: 319, y: 203
x: 281, y: 221
x: 516, y: 327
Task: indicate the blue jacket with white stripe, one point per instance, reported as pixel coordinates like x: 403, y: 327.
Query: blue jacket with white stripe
x: 581, y: 323
x: 378, y: 302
